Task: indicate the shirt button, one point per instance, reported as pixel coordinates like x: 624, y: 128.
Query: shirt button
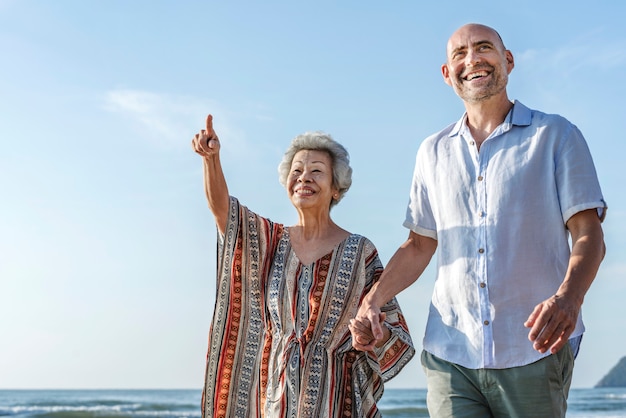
x: 481, y: 250
x: 486, y: 322
x: 483, y: 285
x: 471, y: 142
x: 480, y: 178
x: 481, y: 214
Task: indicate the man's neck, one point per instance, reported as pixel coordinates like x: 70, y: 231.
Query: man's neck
x: 485, y: 116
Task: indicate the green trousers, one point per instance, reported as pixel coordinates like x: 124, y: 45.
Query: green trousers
x: 536, y: 390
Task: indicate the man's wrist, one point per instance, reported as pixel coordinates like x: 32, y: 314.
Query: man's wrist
x: 386, y: 335
x: 373, y: 298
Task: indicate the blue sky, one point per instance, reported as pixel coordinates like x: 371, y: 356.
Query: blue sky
x: 107, y: 249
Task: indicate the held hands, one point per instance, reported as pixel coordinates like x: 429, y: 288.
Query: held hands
x: 552, y: 322
x: 366, y: 327
x: 206, y: 142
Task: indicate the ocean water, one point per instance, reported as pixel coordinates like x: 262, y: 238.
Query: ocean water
x: 397, y: 403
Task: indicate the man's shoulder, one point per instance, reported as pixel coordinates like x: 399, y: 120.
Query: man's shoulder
x: 542, y: 118
x: 549, y: 128
x: 444, y: 138
x: 443, y: 134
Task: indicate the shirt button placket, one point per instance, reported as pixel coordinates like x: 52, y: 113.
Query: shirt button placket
x: 482, y: 263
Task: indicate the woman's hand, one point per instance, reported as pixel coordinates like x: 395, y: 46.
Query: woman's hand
x: 206, y: 142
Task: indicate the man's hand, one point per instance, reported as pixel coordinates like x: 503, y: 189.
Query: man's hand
x: 551, y: 323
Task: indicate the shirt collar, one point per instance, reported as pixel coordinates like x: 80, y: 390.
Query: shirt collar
x: 519, y: 115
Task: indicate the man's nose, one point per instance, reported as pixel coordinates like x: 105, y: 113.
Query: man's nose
x: 472, y: 58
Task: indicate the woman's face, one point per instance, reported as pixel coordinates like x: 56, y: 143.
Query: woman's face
x: 310, y: 180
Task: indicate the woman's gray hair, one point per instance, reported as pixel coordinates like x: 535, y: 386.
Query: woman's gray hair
x: 320, y: 141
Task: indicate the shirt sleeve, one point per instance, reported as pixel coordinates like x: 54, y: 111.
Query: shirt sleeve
x: 419, y: 214
x: 576, y: 177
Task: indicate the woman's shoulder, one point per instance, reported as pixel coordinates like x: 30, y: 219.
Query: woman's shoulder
x: 241, y: 213
x: 362, y: 241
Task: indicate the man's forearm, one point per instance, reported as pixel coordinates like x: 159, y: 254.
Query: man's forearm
x: 404, y: 268
x: 587, y: 253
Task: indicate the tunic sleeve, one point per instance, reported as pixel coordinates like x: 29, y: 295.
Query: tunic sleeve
x: 389, y: 359
x: 371, y: 369
x: 232, y: 376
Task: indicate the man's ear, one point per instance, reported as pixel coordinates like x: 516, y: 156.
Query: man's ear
x: 510, y: 61
x: 445, y: 72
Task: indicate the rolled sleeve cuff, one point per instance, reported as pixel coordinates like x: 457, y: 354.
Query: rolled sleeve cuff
x: 420, y: 231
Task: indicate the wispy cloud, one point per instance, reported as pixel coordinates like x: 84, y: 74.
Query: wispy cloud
x: 560, y: 79
x: 589, y: 53
x: 161, y: 118
x: 170, y: 122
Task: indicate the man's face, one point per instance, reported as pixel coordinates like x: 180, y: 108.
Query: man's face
x: 477, y: 64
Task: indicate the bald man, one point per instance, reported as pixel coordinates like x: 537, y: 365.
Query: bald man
x: 500, y: 194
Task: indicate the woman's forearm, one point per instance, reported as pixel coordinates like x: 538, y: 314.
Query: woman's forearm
x: 216, y: 190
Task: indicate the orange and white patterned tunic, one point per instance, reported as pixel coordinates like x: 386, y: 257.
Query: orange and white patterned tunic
x: 279, y: 344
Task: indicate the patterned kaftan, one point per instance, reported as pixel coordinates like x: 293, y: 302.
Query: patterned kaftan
x: 279, y: 344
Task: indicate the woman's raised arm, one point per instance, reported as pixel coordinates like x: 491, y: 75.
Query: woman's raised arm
x: 207, y: 145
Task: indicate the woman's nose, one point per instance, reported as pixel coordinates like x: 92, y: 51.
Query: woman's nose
x: 304, y: 177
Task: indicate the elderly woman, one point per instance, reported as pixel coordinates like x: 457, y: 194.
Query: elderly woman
x: 279, y: 344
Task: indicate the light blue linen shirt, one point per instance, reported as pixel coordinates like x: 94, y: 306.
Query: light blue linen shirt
x: 499, y: 218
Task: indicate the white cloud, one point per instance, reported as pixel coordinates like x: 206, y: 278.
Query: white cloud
x: 572, y: 78
x: 589, y: 54
x: 162, y: 119
x: 169, y: 122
